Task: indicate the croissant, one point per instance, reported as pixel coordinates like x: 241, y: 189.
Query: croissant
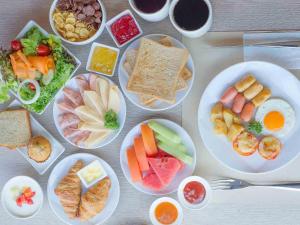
x: 94, y: 200
x: 69, y: 190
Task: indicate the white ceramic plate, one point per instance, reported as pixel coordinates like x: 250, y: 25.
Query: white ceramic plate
x: 38, y: 129
x: 122, y: 114
x: 283, y: 85
x: 62, y: 168
x: 187, y: 171
x: 159, y: 105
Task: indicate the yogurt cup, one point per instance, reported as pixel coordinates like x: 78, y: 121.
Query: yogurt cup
x: 152, y: 17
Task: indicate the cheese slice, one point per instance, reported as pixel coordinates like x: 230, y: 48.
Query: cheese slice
x: 93, y: 100
x: 114, y: 99
x: 86, y: 114
x: 103, y: 91
x: 93, y: 127
x: 95, y: 138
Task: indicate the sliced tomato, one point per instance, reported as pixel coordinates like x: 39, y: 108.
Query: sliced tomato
x: 269, y: 147
x: 245, y: 144
x: 16, y: 45
x: 43, y: 50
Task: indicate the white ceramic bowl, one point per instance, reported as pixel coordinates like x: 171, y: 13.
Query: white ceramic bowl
x: 159, y: 105
x: 161, y: 200
x: 87, y: 41
x: 187, y: 171
x: 152, y: 17
x: 22, y: 181
x: 283, y: 85
x: 122, y: 114
x: 195, y: 33
x: 61, y: 169
x: 204, y: 202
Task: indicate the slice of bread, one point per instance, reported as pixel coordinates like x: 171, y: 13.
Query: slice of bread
x: 157, y: 69
x: 15, y: 128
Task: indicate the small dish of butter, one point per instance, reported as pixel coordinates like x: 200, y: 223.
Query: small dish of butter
x: 91, y: 174
x: 102, y: 59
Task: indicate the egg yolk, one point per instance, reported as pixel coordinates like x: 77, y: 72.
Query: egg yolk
x: 274, y: 121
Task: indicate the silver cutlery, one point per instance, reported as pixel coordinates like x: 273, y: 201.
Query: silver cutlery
x: 268, y: 44
x: 230, y: 184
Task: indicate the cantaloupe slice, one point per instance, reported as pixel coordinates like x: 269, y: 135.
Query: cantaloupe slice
x: 133, y: 165
x: 149, y: 140
x: 141, y: 154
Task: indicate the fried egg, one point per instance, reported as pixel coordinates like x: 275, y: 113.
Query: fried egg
x: 277, y: 117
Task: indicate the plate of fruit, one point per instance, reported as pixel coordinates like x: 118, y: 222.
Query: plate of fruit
x: 156, y: 155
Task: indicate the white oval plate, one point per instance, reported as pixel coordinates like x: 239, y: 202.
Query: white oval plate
x: 62, y: 168
x: 283, y: 85
x: 159, y: 105
x: 72, y: 84
x: 187, y: 171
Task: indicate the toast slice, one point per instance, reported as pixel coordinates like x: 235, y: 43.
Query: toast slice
x: 157, y: 69
x: 15, y: 128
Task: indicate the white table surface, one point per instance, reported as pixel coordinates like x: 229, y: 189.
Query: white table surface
x: 259, y: 206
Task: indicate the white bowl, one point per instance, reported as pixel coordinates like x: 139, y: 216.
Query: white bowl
x: 122, y: 114
x: 159, y: 105
x: 22, y: 181
x: 87, y: 41
x: 204, y: 202
x: 94, y: 45
x: 195, y: 33
x: 283, y: 85
x: 152, y: 17
x: 111, y: 21
x: 61, y: 169
x: 161, y: 200
x: 187, y: 171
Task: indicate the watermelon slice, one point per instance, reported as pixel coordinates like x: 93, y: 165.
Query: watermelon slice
x: 161, y: 154
x: 151, y: 181
x: 165, y: 168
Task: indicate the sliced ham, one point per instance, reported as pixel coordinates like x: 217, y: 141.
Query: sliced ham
x: 81, y: 137
x: 238, y: 103
x: 68, y: 119
x: 71, y: 131
x: 82, y: 83
x: 229, y: 95
x: 73, y: 96
x: 93, y: 82
x: 66, y: 106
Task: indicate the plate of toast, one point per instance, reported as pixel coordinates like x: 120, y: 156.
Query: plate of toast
x: 74, y: 202
x: 248, y: 117
x: 156, y: 72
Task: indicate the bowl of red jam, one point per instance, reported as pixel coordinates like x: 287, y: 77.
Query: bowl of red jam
x: 124, y: 28
x: 194, y: 192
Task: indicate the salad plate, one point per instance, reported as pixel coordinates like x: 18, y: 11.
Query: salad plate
x: 61, y: 170
x: 36, y: 67
x: 174, y: 166
x: 280, y: 97
x: 99, y: 116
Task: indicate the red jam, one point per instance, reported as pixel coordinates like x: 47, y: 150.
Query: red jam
x: 124, y: 29
x: 194, y: 192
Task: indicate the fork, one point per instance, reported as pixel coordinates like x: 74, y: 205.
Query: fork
x: 230, y: 184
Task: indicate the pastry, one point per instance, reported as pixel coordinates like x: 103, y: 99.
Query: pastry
x: 263, y: 96
x: 94, y: 200
x: 69, y: 190
x: 245, y: 83
x: 39, y: 149
x: 253, y: 90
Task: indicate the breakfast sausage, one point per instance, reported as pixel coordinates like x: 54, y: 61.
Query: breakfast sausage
x: 229, y: 95
x: 247, y: 112
x: 238, y: 103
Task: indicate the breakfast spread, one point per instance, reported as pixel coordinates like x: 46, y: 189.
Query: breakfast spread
x: 124, y: 28
x: 76, y: 204
x: 89, y: 114
x: 233, y: 117
x: 156, y: 156
x: 39, y: 149
x: 103, y: 59
x: 43, y: 61
x: 77, y: 20
x: 145, y: 82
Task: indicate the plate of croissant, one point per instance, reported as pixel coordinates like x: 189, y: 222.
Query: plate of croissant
x: 72, y: 202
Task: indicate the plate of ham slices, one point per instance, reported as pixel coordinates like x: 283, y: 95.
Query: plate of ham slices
x: 90, y: 111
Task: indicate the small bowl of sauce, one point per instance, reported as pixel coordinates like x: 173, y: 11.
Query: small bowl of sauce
x: 151, y: 10
x: 166, y: 211
x: 192, y: 18
x: 194, y: 192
